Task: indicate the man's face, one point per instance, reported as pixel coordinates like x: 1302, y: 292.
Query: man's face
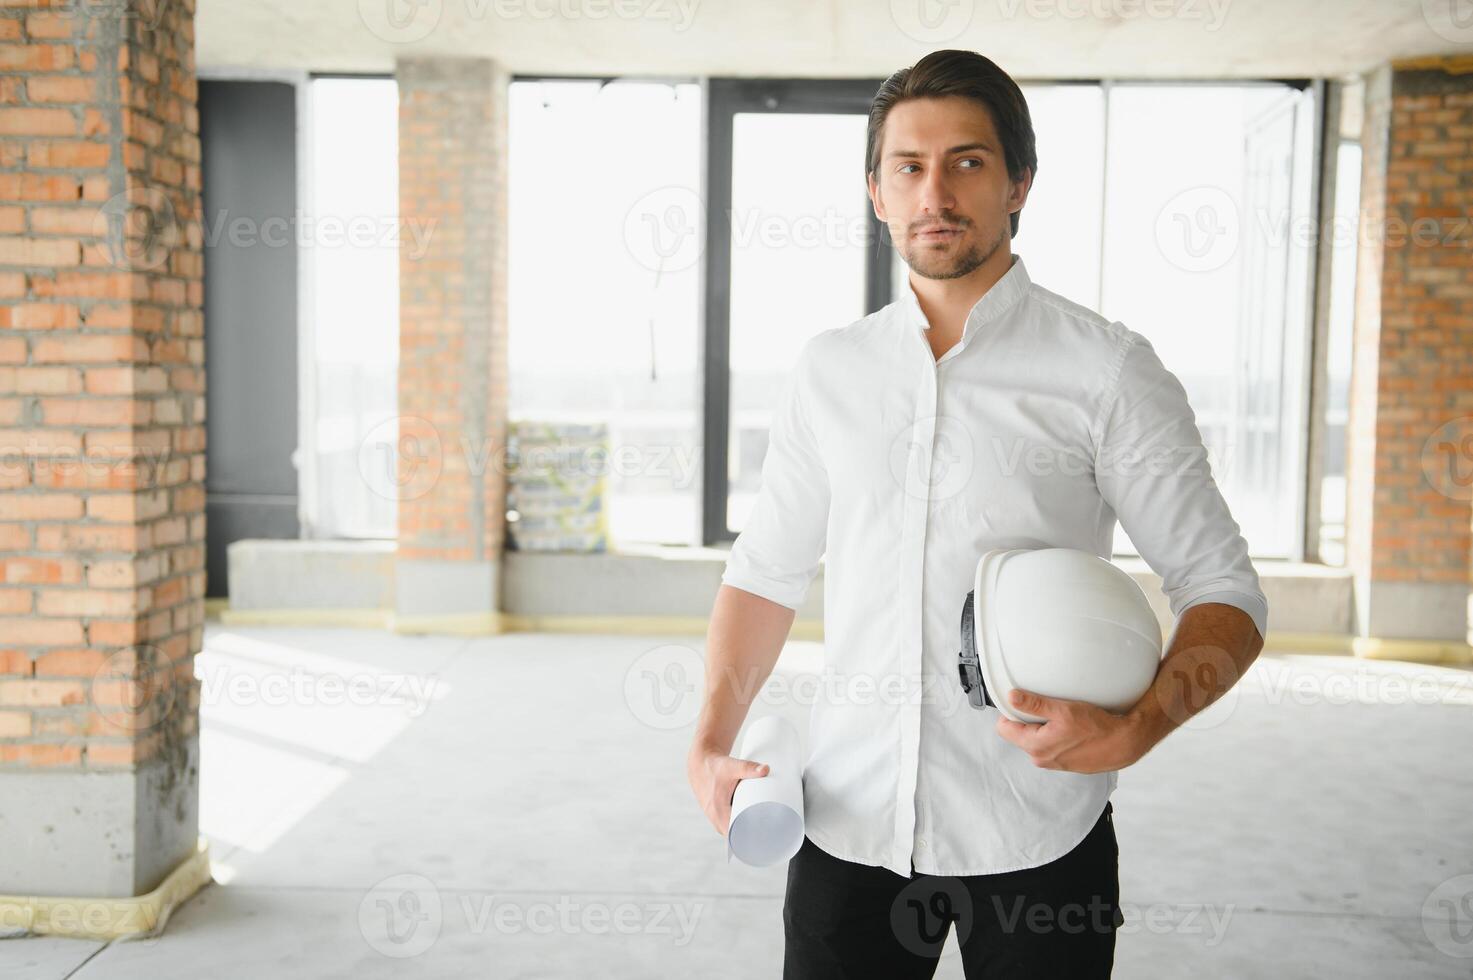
x: 942, y: 166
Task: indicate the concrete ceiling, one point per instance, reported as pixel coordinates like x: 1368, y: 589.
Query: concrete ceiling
x: 1031, y: 39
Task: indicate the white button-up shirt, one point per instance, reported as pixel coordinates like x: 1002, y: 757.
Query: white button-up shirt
x: 1039, y: 428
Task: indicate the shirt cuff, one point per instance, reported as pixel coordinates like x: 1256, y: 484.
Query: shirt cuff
x: 764, y: 587
x: 1255, y: 605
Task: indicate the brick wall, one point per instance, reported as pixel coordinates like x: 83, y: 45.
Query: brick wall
x: 452, y: 354
x: 1412, y: 390
x: 101, y: 385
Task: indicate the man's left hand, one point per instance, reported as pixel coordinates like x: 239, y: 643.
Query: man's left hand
x: 1075, y: 736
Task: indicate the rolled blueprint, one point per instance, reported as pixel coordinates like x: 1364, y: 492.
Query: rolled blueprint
x: 767, y: 811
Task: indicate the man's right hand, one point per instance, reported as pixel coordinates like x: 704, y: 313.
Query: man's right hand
x: 713, y: 777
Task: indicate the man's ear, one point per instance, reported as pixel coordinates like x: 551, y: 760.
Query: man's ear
x: 875, y: 200
x: 1018, y: 191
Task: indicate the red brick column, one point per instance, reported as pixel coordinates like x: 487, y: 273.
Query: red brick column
x: 101, y: 445
x: 452, y: 353
x: 1411, y: 407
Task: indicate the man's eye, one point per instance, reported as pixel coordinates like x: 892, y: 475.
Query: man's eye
x: 973, y: 160
x: 904, y: 165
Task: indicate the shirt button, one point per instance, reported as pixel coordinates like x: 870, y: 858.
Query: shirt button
x: 922, y: 842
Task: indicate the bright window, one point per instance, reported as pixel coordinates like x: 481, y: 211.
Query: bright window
x: 351, y: 256
x: 1205, y: 253
x: 606, y: 234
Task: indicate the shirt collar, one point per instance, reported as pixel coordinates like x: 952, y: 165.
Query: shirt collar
x: 994, y: 303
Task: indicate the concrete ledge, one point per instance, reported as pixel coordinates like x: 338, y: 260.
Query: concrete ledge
x: 445, y: 591
x: 652, y: 580
x: 629, y: 582
x: 220, y: 611
x: 1428, y: 611
x: 311, y: 574
x: 108, y: 918
x: 489, y: 624
x: 803, y: 629
x: 668, y: 590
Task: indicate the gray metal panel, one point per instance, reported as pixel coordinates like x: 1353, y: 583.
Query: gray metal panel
x: 248, y: 144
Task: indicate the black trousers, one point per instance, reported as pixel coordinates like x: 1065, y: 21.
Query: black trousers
x: 1057, y: 920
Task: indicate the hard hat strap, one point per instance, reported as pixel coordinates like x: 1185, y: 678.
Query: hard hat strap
x: 969, y: 664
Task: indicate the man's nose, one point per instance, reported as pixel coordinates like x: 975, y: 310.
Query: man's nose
x: 936, y: 195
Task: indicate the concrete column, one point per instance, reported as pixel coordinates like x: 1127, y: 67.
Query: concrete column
x: 452, y: 354
x: 101, y: 447
x: 1410, y: 528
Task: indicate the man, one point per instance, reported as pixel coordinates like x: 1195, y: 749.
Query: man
x: 978, y: 411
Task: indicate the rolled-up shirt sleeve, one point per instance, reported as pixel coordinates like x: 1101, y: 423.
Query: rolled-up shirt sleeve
x: 776, y: 555
x: 1152, y: 469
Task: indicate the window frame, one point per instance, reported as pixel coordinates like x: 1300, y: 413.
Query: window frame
x: 725, y: 97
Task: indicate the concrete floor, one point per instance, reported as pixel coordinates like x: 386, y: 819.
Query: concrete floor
x: 530, y: 818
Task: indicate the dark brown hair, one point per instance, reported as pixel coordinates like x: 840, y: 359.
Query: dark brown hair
x: 972, y: 76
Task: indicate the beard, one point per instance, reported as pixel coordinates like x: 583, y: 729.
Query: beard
x: 939, y: 264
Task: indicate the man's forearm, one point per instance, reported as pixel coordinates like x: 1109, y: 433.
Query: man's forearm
x: 743, y: 641
x: 1212, y: 648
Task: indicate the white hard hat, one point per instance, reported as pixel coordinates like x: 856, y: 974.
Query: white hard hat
x: 1060, y: 622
